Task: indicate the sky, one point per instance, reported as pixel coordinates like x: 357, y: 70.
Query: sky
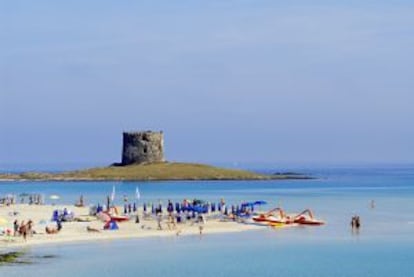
x: 227, y: 81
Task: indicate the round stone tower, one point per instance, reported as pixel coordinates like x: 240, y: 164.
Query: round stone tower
x: 142, y: 147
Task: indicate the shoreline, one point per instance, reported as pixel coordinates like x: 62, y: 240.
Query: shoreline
x: 167, y: 171
x: 51, y: 180
x: 76, y: 232
x: 7, y: 246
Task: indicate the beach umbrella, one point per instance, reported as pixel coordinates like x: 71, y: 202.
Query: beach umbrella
x: 198, y: 202
x: 54, y: 197
x: 260, y: 202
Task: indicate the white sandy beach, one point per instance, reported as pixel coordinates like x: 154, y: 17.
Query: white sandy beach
x: 77, y: 231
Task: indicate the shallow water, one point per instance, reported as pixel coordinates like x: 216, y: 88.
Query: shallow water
x: 262, y: 253
x: 383, y: 247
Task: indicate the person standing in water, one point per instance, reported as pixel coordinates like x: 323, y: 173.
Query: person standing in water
x: 357, y: 222
x: 353, y: 223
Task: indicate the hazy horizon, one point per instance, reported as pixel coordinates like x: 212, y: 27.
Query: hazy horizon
x: 227, y: 81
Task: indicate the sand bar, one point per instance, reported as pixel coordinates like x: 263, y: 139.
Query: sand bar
x: 77, y: 231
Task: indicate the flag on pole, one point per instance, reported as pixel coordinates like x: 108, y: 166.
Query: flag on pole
x: 113, y: 194
x: 137, y: 193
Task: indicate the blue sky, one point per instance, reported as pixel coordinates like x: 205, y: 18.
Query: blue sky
x: 227, y: 81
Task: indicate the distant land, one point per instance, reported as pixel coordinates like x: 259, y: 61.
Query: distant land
x: 160, y: 171
x: 143, y: 160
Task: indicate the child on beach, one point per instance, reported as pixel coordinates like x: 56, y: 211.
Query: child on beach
x: 171, y: 222
x: 29, y: 228
x: 159, y: 219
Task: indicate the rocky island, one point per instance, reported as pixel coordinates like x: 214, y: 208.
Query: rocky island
x: 143, y: 159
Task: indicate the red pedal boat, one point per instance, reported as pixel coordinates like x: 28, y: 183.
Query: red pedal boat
x: 303, y: 218
x: 119, y: 218
x: 307, y: 220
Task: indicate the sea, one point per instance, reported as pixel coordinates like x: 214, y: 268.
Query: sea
x: 382, y: 195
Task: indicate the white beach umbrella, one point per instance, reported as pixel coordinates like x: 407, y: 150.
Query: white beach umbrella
x: 54, y: 197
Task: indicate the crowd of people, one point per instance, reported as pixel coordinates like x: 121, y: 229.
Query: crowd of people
x: 23, y: 229
x: 31, y: 199
x: 168, y: 216
x: 8, y: 200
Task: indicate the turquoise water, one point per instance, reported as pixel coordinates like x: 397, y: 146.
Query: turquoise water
x: 258, y: 254
x: 383, y: 247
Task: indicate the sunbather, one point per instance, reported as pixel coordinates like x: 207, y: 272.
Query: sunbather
x: 51, y: 230
x: 92, y: 230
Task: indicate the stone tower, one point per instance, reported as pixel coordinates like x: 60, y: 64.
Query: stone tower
x: 142, y: 147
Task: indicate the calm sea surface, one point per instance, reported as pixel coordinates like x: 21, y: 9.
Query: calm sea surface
x: 383, y: 247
